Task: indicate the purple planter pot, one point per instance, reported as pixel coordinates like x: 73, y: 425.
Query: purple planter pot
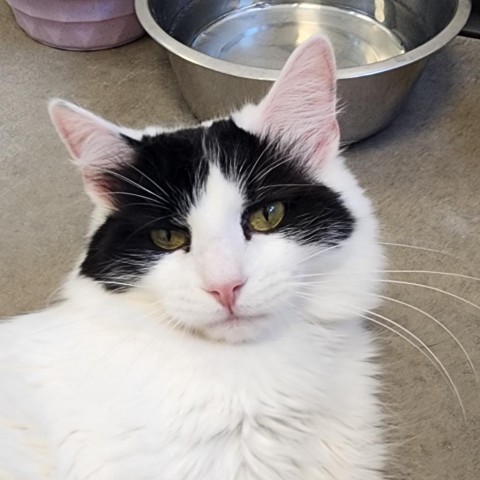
x: 78, y: 24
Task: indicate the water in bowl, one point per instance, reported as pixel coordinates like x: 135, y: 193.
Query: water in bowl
x: 264, y: 35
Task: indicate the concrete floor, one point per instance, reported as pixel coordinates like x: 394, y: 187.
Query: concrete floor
x: 423, y: 174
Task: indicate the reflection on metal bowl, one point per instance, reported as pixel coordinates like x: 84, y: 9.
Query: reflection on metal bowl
x: 227, y: 53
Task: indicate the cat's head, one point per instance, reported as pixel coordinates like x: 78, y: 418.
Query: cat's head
x: 232, y: 229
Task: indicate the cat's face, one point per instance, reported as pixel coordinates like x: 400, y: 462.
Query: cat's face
x: 221, y: 228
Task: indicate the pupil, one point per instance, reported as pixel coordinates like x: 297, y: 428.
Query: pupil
x: 266, y: 213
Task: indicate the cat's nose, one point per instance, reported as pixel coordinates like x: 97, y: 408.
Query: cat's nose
x: 226, y: 293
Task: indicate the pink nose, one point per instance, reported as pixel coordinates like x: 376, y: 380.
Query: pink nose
x: 226, y: 294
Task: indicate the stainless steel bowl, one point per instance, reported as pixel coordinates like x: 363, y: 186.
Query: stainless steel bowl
x: 227, y: 53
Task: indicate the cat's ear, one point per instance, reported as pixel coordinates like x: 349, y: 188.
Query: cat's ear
x: 300, y: 108
x: 96, y: 146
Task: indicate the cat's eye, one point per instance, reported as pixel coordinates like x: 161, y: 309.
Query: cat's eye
x: 169, y: 239
x: 267, y: 217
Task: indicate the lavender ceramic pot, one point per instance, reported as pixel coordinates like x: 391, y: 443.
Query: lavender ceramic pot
x: 78, y: 24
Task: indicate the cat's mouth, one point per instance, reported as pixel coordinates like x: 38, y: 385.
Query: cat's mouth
x: 236, y: 327
x: 235, y: 319
x: 245, y: 318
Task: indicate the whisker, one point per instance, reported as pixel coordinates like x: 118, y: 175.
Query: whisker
x: 435, y: 289
x: 291, y: 185
x: 156, y: 202
x: 427, y: 272
x: 432, y: 357
x: 429, y: 287
x: 135, y: 184
x: 431, y: 317
x: 277, y: 164
x: 122, y: 284
x: 252, y: 169
x: 431, y: 250
x: 155, y: 184
x: 434, y: 272
x: 157, y: 219
x: 53, y: 295
x: 423, y: 312
x: 318, y: 253
x: 98, y: 329
x: 437, y: 363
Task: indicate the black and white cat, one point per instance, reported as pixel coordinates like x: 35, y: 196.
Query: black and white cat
x: 212, y: 330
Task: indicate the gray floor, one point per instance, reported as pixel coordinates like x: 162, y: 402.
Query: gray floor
x: 423, y: 174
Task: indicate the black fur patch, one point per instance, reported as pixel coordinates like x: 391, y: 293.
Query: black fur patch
x: 159, y: 187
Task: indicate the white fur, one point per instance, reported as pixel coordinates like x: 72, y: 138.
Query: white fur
x: 154, y: 384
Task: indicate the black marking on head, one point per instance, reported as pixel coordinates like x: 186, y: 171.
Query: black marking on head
x: 154, y: 192
x: 268, y: 173
x: 168, y: 170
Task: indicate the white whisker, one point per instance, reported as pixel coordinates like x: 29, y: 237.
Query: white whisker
x: 435, y: 289
x: 122, y: 284
x: 429, y: 287
x: 148, y: 199
x: 275, y: 165
x: 431, y: 317
x: 437, y: 363
x: 424, y: 249
x: 155, y: 184
x: 252, y: 169
x: 432, y: 357
x: 315, y: 254
x: 312, y: 185
x: 135, y: 184
x: 426, y: 272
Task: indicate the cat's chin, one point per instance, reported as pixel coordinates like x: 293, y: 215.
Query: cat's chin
x: 237, y: 329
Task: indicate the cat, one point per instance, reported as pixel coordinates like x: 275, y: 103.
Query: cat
x: 212, y: 329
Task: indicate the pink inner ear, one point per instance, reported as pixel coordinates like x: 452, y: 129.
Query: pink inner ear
x: 95, y: 144
x: 300, y: 109
x: 73, y: 133
x: 92, y: 141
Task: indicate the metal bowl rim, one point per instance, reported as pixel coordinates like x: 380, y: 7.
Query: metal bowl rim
x: 455, y: 25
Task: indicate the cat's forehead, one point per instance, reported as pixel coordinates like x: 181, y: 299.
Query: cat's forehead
x: 175, y: 155
x: 218, y: 206
x: 171, y: 170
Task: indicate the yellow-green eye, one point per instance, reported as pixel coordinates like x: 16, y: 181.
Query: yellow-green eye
x: 268, y: 217
x: 169, y: 239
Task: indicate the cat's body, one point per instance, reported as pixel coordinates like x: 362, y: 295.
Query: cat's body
x: 213, y: 329
x: 147, y: 402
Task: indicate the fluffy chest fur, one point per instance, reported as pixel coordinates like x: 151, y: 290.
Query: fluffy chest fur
x: 151, y: 403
